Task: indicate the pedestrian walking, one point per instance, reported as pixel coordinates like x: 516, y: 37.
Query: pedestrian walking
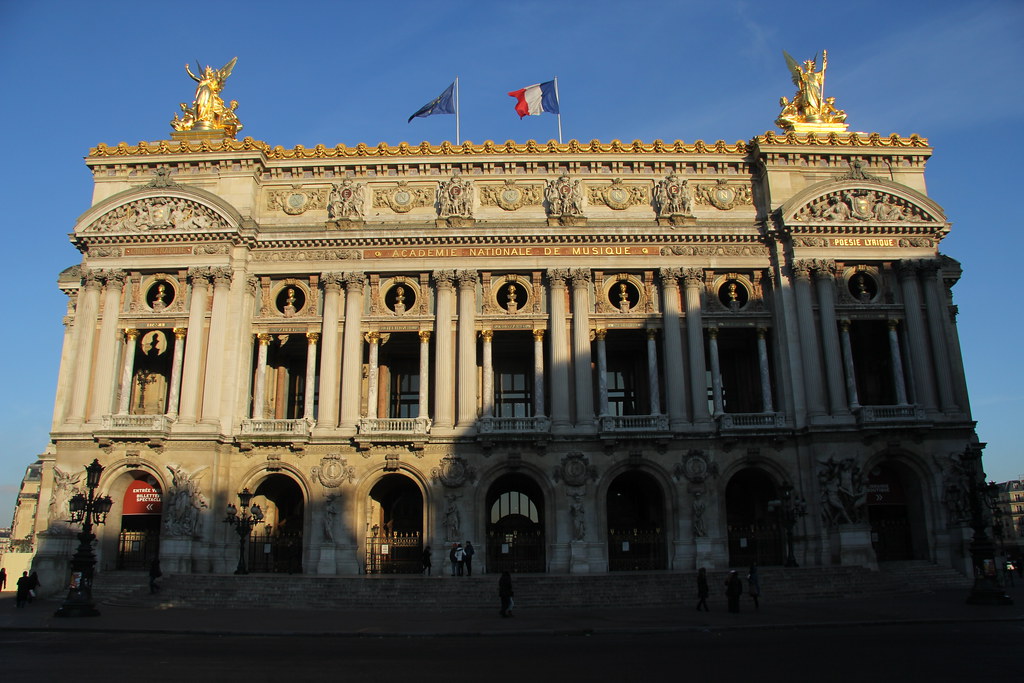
x: 702, y: 589
x: 505, y: 593
x: 754, y: 585
x: 460, y: 559
x: 21, y: 599
x: 469, y: 552
x: 451, y: 556
x: 154, y: 574
x: 733, y: 591
x: 426, y: 561
x: 3, y: 578
x: 33, y: 585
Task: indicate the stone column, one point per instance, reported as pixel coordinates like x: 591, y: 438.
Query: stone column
x: 848, y: 367
x: 330, y: 359
x: 559, y: 347
x: 352, y: 350
x: 538, y: 373
x: 465, y: 375
x: 767, y: 405
x: 174, y: 393
x: 716, y: 371
x: 675, y: 382
x: 808, y: 338
x: 898, y: 380
x: 106, y: 354
x: 487, y: 400
x: 444, y: 366
x: 200, y: 280
x: 84, y: 339
x: 219, y: 320
x: 826, y: 285
x: 935, y: 313
x: 307, y: 400
x: 652, y: 372
x: 694, y: 280
x: 602, y: 370
x: 259, y: 392
x: 581, y: 347
x: 373, y: 373
x: 131, y: 336
x: 423, y: 410
x: 920, y: 360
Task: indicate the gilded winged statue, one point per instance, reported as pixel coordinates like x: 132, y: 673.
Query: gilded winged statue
x: 208, y: 111
x: 809, y: 105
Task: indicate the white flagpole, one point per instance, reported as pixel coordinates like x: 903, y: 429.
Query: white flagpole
x: 559, y: 100
x: 458, y: 140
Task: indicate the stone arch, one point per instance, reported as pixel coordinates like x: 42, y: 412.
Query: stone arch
x: 518, y: 510
x: 635, y: 509
x: 754, y: 528
x: 392, y: 515
x: 221, y: 209
x: 115, y: 481
x: 801, y: 207
x: 901, y: 505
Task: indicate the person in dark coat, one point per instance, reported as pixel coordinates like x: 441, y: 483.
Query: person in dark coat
x: 154, y: 574
x: 24, y: 586
x: 733, y: 591
x: 754, y: 585
x: 33, y: 585
x: 468, y: 553
x: 3, y: 578
x: 505, y: 593
x: 451, y: 556
x: 702, y: 589
x: 426, y: 561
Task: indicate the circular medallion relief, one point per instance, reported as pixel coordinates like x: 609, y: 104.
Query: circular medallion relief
x: 733, y: 294
x: 160, y: 295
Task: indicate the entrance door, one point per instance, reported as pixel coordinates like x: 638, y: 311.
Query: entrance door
x: 139, y: 540
x: 892, y: 529
x: 755, y: 530
x: 394, y: 541
x: 515, y: 526
x: 276, y: 545
x: 636, y: 525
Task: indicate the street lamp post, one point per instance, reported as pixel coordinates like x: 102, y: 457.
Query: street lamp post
x: 85, y: 510
x: 791, y: 508
x: 986, y: 589
x: 243, y: 522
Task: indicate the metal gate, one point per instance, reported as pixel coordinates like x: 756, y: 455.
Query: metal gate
x: 277, y: 552
x: 394, y: 553
x: 137, y: 549
x: 635, y: 550
x: 515, y: 552
x: 761, y: 543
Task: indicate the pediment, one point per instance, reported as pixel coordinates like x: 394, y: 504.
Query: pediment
x: 860, y: 201
x: 163, y: 208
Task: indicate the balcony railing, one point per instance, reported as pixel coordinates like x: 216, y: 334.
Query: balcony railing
x: 890, y: 414
x: 277, y: 429
x: 135, y: 423
x: 751, y: 421
x: 633, y: 424
x: 412, y: 426
x: 514, y: 425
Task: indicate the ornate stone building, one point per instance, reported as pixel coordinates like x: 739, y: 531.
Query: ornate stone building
x: 584, y: 357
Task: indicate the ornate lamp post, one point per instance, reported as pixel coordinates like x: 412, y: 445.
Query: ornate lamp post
x: 791, y: 508
x: 986, y: 589
x: 243, y: 523
x: 85, y: 510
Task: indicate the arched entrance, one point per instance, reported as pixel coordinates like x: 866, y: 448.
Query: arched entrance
x: 138, y: 542
x: 636, y: 524
x: 515, y: 525
x: 276, y: 545
x: 394, y: 540
x: 756, y: 533
x: 895, y: 513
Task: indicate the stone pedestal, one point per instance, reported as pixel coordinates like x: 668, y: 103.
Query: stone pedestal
x: 579, y: 557
x: 347, y: 560
x: 705, y: 552
x: 327, y: 563
x: 558, y: 558
x: 176, y: 555
x: 852, y: 542
x: 52, y: 561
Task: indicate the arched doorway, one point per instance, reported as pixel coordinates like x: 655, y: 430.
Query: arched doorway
x: 515, y: 525
x: 895, y: 513
x: 636, y: 524
x: 138, y: 542
x: 756, y: 533
x: 394, y: 539
x: 276, y: 545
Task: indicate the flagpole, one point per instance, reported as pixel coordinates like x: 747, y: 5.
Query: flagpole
x: 559, y: 100
x: 458, y: 140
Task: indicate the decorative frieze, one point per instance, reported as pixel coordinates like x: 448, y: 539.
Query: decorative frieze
x: 158, y: 214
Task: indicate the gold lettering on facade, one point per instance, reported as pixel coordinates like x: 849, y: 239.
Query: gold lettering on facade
x: 527, y: 250
x: 863, y: 242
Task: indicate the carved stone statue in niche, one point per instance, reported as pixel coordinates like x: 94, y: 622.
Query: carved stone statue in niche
x: 345, y: 203
x: 673, y: 200
x: 455, y: 202
x: 565, y: 201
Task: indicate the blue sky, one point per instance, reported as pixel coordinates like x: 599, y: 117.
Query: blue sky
x: 76, y: 74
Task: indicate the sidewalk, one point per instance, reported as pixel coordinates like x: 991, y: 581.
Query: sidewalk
x: 934, y: 607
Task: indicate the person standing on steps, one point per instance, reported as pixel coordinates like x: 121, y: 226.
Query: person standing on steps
x: 702, y: 589
x: 154, y: 574
x: 754, y: 585
x: 460, y: 559
x: 21, y: 599
x: 505, y: 593
x: 451, y: 556
x: 3, y: 578
x: 733, y: 591
x: 426, y: 561
x: 469, y: 551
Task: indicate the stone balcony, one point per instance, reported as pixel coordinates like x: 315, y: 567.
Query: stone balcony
x: 294, y: 432
x: 890, y: 415
x: 633, y: 426
x: 133, y: 427
x: 411, y: 431
x: 751, y: 422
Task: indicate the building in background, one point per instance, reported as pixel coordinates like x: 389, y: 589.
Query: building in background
x: 1009, y: 517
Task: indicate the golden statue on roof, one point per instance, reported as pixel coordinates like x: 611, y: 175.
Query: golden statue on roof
x: 208, y: 112
x: 810, y: 110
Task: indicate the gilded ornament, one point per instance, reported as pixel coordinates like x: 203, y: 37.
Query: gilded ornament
x: 403, y: 198
x: 296, y: 201
x: 208, y: 112
x: 723, y: 195
x: 510, y: 196
x: 619, y: 196
x: 810, y: 110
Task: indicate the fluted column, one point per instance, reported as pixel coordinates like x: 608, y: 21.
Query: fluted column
x: 352, y: 350
x: 935, y: 313
x: 826, y: 286
x: 131, y: 336
x: 444, y: 365
x: 652, y: 372
x: 308, y: 398
x: 849, y: 370
x: 487, y: 399
x: 106, y: 354
x: 716, y: 371
x: 920, y: 360
x: 465, y: 376
x: 694, y: 280
x: 898, y: 380
x: 200, y: 281
x: 538, y: 373
x: 259, y: 393
x: 174, y: 393
x: 220, y: 317
x: 84, y: 339
x: 330, y: 359
x: 602, y: 370
x: 559, y: 347
x: 581, y: 347
x: 767, y: 404
x: 808, y: 338
x: 423, y: 410
x: 372, y: 373
x: 675, y: 382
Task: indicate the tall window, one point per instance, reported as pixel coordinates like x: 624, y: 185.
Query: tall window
x: 513, y: 374
x: 404, y: 394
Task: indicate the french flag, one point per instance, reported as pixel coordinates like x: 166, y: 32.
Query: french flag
x: 536, y: 99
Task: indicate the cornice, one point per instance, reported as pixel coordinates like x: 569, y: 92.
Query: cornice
x: 894, y: 140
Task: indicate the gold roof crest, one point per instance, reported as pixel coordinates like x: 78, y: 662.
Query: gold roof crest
x: 809, y: 110
x: 208, y: 114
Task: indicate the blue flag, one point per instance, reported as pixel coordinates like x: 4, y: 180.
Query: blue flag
x: 442, y: 104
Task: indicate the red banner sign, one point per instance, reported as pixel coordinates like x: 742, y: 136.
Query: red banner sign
x: 141, y: 499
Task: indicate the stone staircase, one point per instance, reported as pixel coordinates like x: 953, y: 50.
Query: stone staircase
x: 635, y: 589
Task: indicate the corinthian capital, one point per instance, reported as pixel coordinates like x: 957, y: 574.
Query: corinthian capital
x: 467, y: 278
x: 580, y: 277
x: 354, y: 281
x: 802, y: 269
x: 221, y: 276
x: 557, y: 276
x: 444, y: 279
x: 199, y: 275
x: 115, y: 277
x: 331, y: 281
x: 670, y: 276
x: 694, y: 277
